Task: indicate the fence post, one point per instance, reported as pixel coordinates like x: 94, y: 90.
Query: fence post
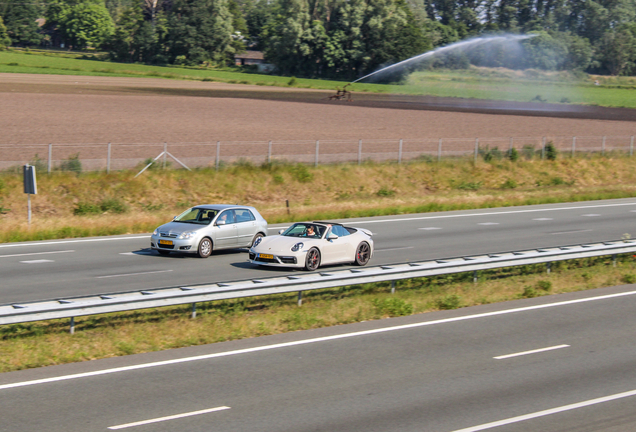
x: 573, y: 145
x: 360, y: 151
x: 511, y: 144
x: 218, y: 154
x: 269, y: 152
x: 603, y: 147
x: 165, y: 154
x: 108, y: 160
x: 543, y: 149
x: 317, y: 152
x: 400, y: 152
x: 476, y: 148
x: 439, y: 150
x: 631, y: 146
x: 50, y: 158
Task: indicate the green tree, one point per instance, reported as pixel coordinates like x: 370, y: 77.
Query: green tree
x: 20, y: 21
x: 82, y: 23
x: 5, y: 40
x: 200, y: 31
x: 617, y: 51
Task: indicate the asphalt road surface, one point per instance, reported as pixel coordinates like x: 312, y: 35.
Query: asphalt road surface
x: 76, y: 267
x: 553, y: 364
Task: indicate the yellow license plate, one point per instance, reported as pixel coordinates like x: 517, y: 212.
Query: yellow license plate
x: 266, y: 256
x: 165, y: 242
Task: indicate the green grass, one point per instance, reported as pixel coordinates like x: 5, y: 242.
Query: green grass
x: 481, y: 83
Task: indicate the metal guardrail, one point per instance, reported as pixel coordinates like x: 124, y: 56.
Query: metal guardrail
x: 328, y: 278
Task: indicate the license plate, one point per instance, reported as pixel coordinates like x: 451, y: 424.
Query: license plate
x: 266, y: 256
x: 165, y: 242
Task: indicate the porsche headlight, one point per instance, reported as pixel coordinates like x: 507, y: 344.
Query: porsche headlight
x: 187, y: 235
x: 297, y: 247
x: 257, y: 241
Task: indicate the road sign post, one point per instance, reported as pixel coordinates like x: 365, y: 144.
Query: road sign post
x: 30, y: 185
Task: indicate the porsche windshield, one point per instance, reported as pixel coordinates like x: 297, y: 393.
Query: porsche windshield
x: 306, y: 230
x: 200, y: 216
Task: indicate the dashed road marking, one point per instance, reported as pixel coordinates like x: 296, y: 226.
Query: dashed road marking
x: 37, y: 261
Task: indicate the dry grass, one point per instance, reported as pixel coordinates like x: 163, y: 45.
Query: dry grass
x: 48, y: 343
x: 119, y: 203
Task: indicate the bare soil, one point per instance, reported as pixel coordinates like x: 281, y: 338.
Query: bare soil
x: 41, y: 109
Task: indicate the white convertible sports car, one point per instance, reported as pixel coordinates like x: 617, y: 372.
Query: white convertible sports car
x: 310, y: 244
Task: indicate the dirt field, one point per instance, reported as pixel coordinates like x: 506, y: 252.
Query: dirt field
x: 39, y: 109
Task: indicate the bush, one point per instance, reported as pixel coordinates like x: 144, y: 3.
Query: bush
x: 302, y: 174
x: 112, y: 205
x: 292, y: 82
x: 509, y: 184
x: 550, y: 151
x: 513, y: 155
x: 385, y: 192
x: 393, y: 307
x: 629, y: 278
x: 544, y: 285
x: 451, y: 301
x: 529, y: 292
x: 72, y: 164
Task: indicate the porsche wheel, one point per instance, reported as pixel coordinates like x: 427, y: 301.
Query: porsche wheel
x: 363, y: 254
x: 312, y: 260
x: 205, y: 248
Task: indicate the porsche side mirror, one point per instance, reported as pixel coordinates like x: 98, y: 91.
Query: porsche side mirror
x: 332, y: 237
x: 281, y: 231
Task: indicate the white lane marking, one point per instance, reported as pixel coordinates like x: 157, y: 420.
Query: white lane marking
x: 314, y: 340
x: 591, y: 215
x: 548, y: 412
x: 72, y: 241
x: 36, y: 261
x: 543, y: 219
x: 491, y: 213
x: 137, y: 253
x: 570, y: 232
x: 172, y: 417
x: 429, y: 228
x: 393, y: 249
x: 507, y: 356
x: 132, y: 274
x: 488, y: 223
x: 36, y: 253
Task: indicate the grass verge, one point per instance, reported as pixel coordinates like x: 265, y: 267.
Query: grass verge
x: 39, y: 344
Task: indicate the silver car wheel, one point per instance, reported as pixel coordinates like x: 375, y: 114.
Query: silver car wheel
x: 256, y: 237
x: 205, y: 247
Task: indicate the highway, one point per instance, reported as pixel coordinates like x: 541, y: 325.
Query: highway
x: 552, y: 364
x: 75, y: 267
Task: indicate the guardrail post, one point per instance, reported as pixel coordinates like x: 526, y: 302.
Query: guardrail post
x: 269, y: 152
x: 474, y: 276
x: 548, y: 267
x: 50, y: 161
x: 194, y: 310
x: 439, y: 150
x: 614, y: 260
x: 573, y: 145
x: 359, y: 151
x: 72, y: 329
x: 317, y: 152
x: 392, y: 287
x: 300, y: 298
x: 108, y: 160
x: 218, y: 154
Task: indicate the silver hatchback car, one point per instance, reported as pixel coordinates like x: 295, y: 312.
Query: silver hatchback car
x: 204, y: 228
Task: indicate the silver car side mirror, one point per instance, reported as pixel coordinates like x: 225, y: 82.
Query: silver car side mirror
x: 281, y: 231
x: 220, y: 222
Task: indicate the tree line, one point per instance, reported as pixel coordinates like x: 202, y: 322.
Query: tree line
x: 340, y: 39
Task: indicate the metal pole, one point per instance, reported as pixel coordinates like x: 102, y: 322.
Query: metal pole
x: 194, y: 310
x: 218, y: 154
x: 400, y: 153
x: 360, y: 151
x: 573, y: 145
x: 392, y: 287
x: 108, y: 160
x: 476, y: 148
x: 29, y: 207
x: 50, y: 158
x: 614, y: 260
x: 439, y: 150
x: 603, y: 147
x: 548, y: 267
x: 165, y: 154
x: 269, y: 153
x: 317, y: 152
x: 72, y: 329
x: 300, y: 298
x: 474, y: 276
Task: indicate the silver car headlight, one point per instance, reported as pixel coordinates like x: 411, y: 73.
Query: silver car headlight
x: 297, y: 247
x: 187, y: 235
x: 155, y: 232
x: 257, y: 241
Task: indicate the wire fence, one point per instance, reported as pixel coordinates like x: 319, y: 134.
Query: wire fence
x: 124, y: 156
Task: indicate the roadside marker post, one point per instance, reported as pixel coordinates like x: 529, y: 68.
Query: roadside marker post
x: 30, y: 185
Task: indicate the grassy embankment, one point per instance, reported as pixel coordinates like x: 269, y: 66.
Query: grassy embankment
x: 482, y: 83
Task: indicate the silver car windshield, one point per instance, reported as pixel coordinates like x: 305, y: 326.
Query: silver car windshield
x: 199, y: 216
x: 306, y: 230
